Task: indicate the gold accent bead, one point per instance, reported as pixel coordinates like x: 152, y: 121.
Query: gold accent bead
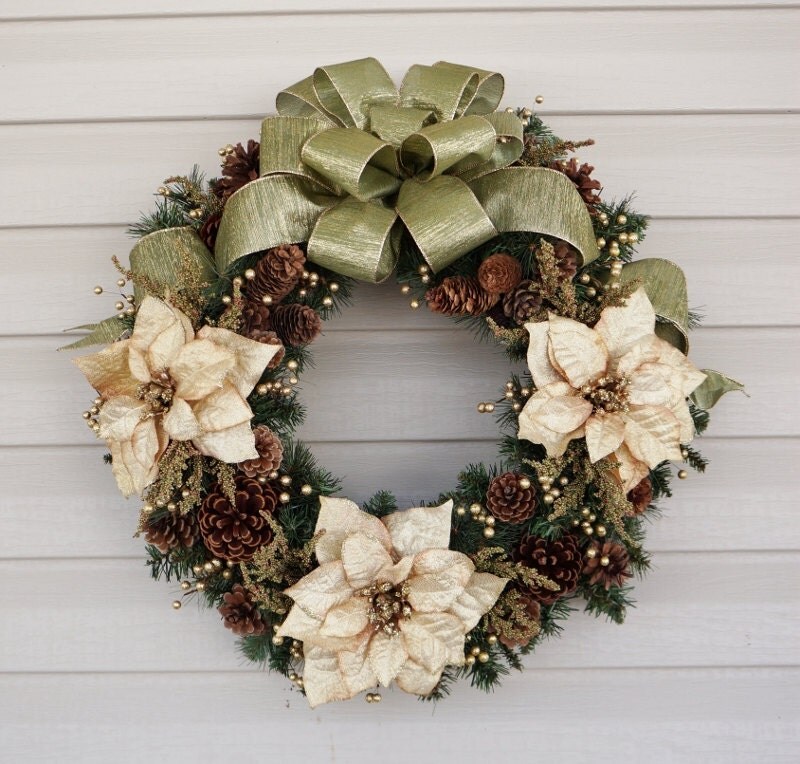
x: 200, y: 586
x: 623, y: 238
x: 470, y: 660
x: 475, y: 509
x: 483, y: 657
x: 425, y: 279
x: 377, y: 697
x: 306, y: 490
x: 333, y: 286
x: 227, y: 575
x: 327, y: 301
x: 250, y: 273
x: 591, y: 553
x: 276, y: 640
x: 302, y: 293
x: 405, y: 289
x: 476, y: 651
x: 492, y: 639
x: 622, y: 219
x: 285, y: 498
x: 591, y: 292
x: 481, y: 408
x: 262, y: 389
x: 548, y: 499
x: 208, y: 567
x: 489, y: 407
x: 461, y: 511
x: 524, y: 483
x: 176, y: 605
x: 119, y: 305
x: 423, y: 269
x: 588, y: 530
x: 633, y: 237
x: 414, y: 304
x: 490, y: 521
x: 186, y: 585
x: 584, y: 278
x: 216, y: 563
x: 605, y: 561
x: 266, y: 299
x: 488, y: 532
x: 121, y: 282
x: 226, y: 299
x: 292, y: 365
x: 601, y: 242
x: 286, y: 480
x: 539, y: 99
x: 526, y: 113
x: 600, y: 530
x: 273, y: 475
x: 98, y: 290
x: 682, y: 474
x: 516, y: 406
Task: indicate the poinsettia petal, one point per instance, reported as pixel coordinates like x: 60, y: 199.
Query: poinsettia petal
x: 423, y: 646
x: 222, y: 409
x: 346, y: 620
x: 356, y: 671
x: 652, y: 433
x: 530, y: 424
x: 251, y: 357
x: 622, y: 327
x: 134, y: 462
x: 299, y: 625
x: 159, y: 332
x: 478, y: 597
x: 398, y: 572
x: 649, y: 386
x: 363, y: 557
x: 681, y: 412
x: 631, y: 470
x: 200, y: 368
x: 419, y: 528
x: 438, y: 578
x: 120, y: 416
x: 340, y: 518
x: 322, y: 678
x: 108, y: 371
x: 685, y: 375
x: 323, y: 588
x: 604, y: 434
x: 446, y: 628
x: 180, y: 423
x: 578, y: 350
x: 386, y: 655
x: 232, y: 445
x: 417, y: 680
x: 564, y: 413
x: 541, y: 369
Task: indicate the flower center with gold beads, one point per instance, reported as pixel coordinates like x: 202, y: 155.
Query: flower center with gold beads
x: 158, y: 393
x: 607, y: 394
x: 388, y: 606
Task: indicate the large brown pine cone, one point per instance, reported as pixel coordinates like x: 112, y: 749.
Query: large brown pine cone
x: 607, y: 564
x: 508, y: 501
x: 172, y: 531
x: 580, y: 175
x: 237, y: 531
x: 559, y: 560
x: 499, y: 273
x: 240, y: 614
x: 270, y: 453
x: 641, y: 495
x: 255, y: 316
x: 277, y: 272
x: 523, y: 303
x: 567, y: 259
x: 296, y: 324
x: 238, y: 169
x: 209, y: 230
x: 460, y: 296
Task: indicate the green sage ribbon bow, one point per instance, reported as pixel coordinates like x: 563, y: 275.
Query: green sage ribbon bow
x: 349, y: 162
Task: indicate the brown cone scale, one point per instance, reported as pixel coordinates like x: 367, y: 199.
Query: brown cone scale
x: 560, y: 560
x: 240, y: 614
x: 508, y: 501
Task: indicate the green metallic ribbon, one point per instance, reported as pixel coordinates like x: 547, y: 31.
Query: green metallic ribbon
x: 349, y: 162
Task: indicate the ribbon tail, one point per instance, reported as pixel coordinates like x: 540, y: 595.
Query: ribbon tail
x: 107, y: 331
x: 713, y: 388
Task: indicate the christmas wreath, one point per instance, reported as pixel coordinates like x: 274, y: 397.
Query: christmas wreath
x: 481, y: 214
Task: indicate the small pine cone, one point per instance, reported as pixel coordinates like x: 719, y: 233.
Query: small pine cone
x: 268, y: 337
x: 508, y: 501
x: 277, y: 273
x: 641, y: 495
x: 238, y: 169
x: 580, y: 175
x: 499, y: 273
x: 559, y: 560
x: 607, y: 564
x: 270, y: 453
x: 172, y: 531
x: 523, y: 303
x: 209, y: 230
x: 296, y: 324
x: 460, y: 296
x: 255, y: 317
x: 567, y: 260
x: 237, y: 531
x: 532, y: 609
x: 240, y: 614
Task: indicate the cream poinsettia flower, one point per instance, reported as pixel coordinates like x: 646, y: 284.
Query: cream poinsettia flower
x: 618, y: 385
x: 388, y: 602
x: 168, y: 383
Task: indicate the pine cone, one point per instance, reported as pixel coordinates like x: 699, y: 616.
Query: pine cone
x: 499, y: 273
x: 641, y: 495
x: 296, y: 324
x: 237, y: 532
x: 559, y: 560
x: 256, y: 317
x: 277, y: 273
x: 508, y: 501
x: 172, y: 531
x: 238, y: 169
x: 209, y: 230
x: 270, y: 453
x: 460, y: 296
x: 567, y: 260
x: 240, y: 614
x: 581, y: 177
x: 607, y: 564
x: 523, y: 303
x: 268, y: 337
x: 532, y: 609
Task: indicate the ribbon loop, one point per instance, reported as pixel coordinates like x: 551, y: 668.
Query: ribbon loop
x: 394, y: 124
x: 446, y: 91
x: 489, y: 92
x: 282, y: 141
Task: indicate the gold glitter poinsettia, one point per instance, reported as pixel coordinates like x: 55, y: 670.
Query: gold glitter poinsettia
x: 389, y: 601
x: 618, y: 385
x: 168, y: 383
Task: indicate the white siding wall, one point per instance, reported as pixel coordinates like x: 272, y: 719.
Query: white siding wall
x: 695, y: 107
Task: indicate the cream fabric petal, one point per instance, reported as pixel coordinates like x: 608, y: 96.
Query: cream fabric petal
x: 323, y: 588
x: 437, y: 579
x: 363, y: 557
x: 578, y: 350
x: 124, y: 478
x: 604, y: 434
x: 160, y: 332
x: 685, y: 375
x: 299, y: 625
x: 539, y: 364
x: 631, y: 470
x: 643, y: 351
x: 564, y: 413
x: 399, y: 572
x: 120, y: 416
x: 621, y: 328
x: 386, y: 655
x: 478, y: 597
x: 419, y: 528
x: 322, y: 678
x: 356, y: 671
x: 652, y: 433
x: 649, y: 386
x: 138, y: 365
x: 531, y: 428
x: 200, y: 368
x: 684, y: 417
x: 180, y: 423
x: 108, y: 371
x: 251, y: 357
x: 222, y: 409
x: 134, y: 461
x: 340, y: 518
x: 346, y: 620
x: 417, y: 680
x: 231, y: 445
x: 445, y: 628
